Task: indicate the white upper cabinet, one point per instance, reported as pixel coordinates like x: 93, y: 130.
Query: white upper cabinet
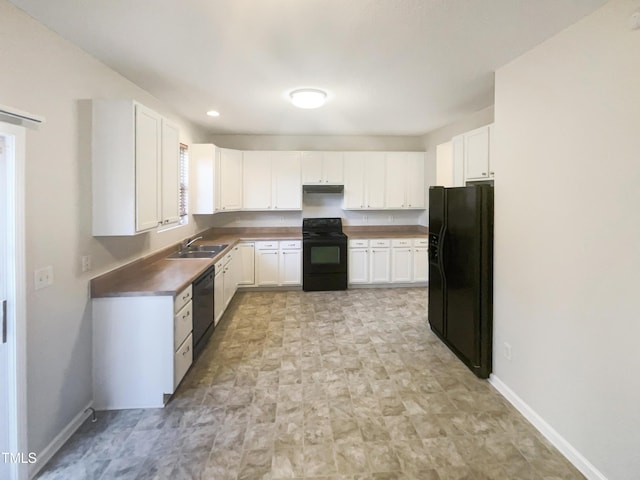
x: 170, y: 211
x: 135, y: 161
x: 230, y: 180
x: 147, y: 160
x: 396, y: 173
x: 415, y: 180
x: 404, y: 180
x: 354, y: 181
x: 364, y: 180
x: 286, y: 185
x: 256, y: 181
x: 457, y: 143
x: 271, y: 180
x: 322, y: 168
x: 471, y: 156
x: 476, y: 156
x: 204, y: 173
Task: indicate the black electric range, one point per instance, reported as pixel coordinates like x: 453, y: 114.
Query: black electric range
x: 324, y: 254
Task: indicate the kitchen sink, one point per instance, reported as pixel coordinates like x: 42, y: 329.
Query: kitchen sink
x: 199, y: 251
x: 206, y: 248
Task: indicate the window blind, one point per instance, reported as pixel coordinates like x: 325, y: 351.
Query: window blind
x: 184, y: 184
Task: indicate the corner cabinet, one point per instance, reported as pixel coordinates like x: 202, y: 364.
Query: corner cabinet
x: 135, y: 169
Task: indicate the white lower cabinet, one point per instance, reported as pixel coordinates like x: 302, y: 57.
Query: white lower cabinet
x: 225, y: 284
x: 420, y: 260
x: 278, y: 263
x: 267, y: 264
x: 218, y: 295
x: 380, y: 261
x: 358, y: 262
x: 290, y: 272
x: 245, y: 261
x: 402, y: 261
x: 388, y: 261
x: 142, y: 348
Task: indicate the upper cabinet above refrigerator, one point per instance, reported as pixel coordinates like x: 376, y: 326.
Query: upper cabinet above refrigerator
x: 472, y: 156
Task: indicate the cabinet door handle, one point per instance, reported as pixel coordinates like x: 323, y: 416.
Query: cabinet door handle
x: 484, y: 174
x: 491, y: 173
x: 186, y: 351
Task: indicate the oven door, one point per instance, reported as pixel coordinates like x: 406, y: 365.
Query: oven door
x: 324, y: 256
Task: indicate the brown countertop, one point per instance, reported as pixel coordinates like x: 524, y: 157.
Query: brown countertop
x: 387, y: 231
x: 155, y: 274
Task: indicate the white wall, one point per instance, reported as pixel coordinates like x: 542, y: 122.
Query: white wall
x: 46, y: 75
x: 567, y: 230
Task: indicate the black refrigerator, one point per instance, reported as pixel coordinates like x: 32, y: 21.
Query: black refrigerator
x: 461, y: 272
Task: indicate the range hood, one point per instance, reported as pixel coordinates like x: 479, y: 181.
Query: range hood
x: 323, y: 188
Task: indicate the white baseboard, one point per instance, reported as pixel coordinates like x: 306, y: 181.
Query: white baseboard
x: 558, y: 441
x: 50, y: 450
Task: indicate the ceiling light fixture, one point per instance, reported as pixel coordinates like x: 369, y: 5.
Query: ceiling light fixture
x: 213, y: 113
x: 308, y: 98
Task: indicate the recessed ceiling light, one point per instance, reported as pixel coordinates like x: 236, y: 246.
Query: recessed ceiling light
x: 308, y: 98
x: 213, y: 113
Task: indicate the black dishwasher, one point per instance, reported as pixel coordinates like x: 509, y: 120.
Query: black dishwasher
x: 202, y: 310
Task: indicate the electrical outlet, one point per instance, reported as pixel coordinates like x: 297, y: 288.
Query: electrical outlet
x: 365, y: 218
x: 86, y: 263
x: 43, y: 277
x: 390, y: 219
x: 507, y: 351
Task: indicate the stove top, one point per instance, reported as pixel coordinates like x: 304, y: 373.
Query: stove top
x: 321, y: 225
x: 323, y: 234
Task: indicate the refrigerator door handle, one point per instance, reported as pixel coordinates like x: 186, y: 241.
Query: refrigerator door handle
x: 441, y: 253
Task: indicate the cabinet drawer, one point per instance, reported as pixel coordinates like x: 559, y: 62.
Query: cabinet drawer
x: 290, y: 244
x: 420, y: 242
x: 182, y: 325
x: 359, y: 243
x: 402, y: 242
x: 384, y: 242
x: 182, y: 299
x: 182, y: 360
x: 266, y: 245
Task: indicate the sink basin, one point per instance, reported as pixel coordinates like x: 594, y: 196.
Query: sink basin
x: 206, y: 248
x: 199, y: 251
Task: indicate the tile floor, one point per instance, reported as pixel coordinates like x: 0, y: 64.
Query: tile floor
x: 328, y: 385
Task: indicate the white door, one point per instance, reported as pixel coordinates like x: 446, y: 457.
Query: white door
x: 402, y: 263
x: 287, y: 187
x: 256, y: 180
x: 230, y: 179
x: 354, y: 180
x: 374, y: 180
x: 147, y: 169
x: 421, y: 264
x: 358, y: 265
x: 311, y: 167
x: 170, y: 156
x: 380, y: 265
x: 415, y: 180
x: 396, y: 173
x: 291, y: 267
x: 267, y: 267
x: 12, y: 291
x: 332, y: 168
x: 218, y: 296
x: 476, y: 153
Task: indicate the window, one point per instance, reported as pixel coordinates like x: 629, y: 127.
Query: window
x: 184, y: 184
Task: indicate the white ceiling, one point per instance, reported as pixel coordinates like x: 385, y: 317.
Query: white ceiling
x: 391, y: 67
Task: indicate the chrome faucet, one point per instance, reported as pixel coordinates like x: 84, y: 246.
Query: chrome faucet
x: 188, y: 243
